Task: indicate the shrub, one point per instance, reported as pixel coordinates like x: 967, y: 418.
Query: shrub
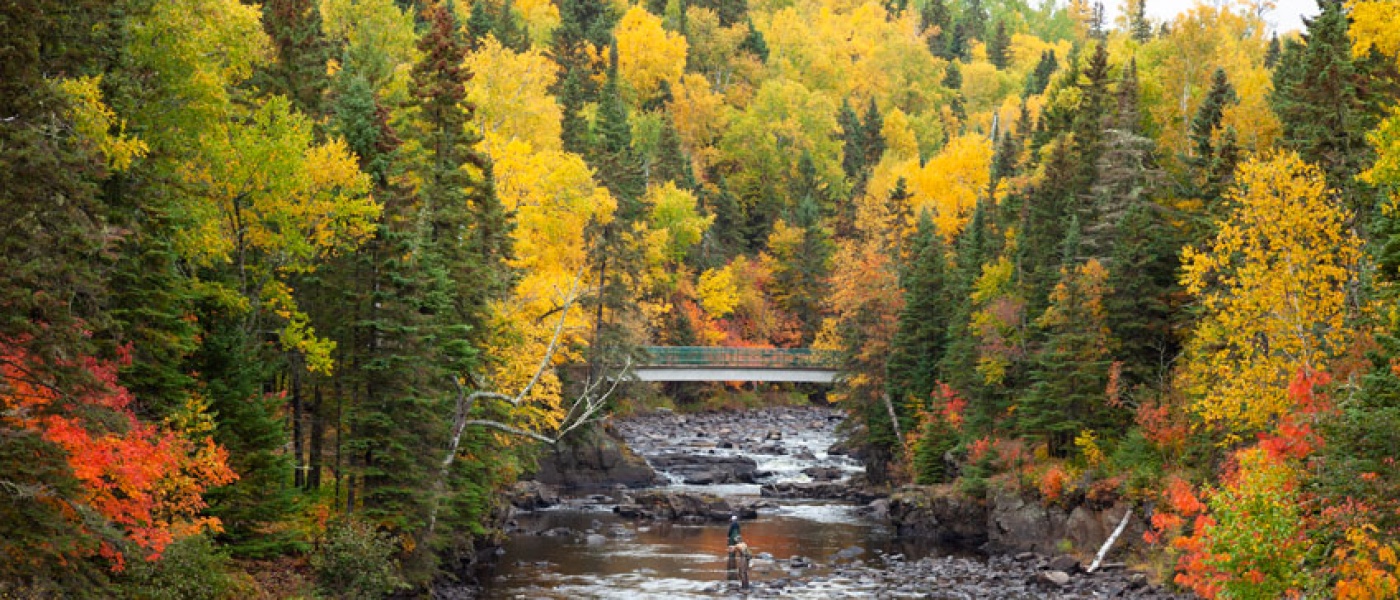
x: 192, y: 568
x: 356, y: 561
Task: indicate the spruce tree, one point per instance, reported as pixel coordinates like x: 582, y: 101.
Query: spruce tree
x: 922, y: 338
x: 1071, y: 368
x: 1138, y: 26
x: 1326, y: 101
x: 509, y: 30
x: 998, y: 47
x: 1040, y: 78
x: 938, y: 21
x: 754, y: 44
x: 299, y: 71
x: 479, y: 25
x: 671, y: 163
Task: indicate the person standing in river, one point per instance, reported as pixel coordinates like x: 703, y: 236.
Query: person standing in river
x: 733, y: 529
x: 739, y: 557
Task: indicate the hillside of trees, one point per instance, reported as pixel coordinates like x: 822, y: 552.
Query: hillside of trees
x: 277, y: 280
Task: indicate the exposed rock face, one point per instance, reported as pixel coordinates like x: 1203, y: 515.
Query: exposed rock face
x: 596, y: 459
x: 941, y: 514
x: 1008, y: 523
x: 1018, y: 524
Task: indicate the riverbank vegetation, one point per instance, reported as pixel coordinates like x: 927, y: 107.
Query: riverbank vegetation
x: 255, y: 257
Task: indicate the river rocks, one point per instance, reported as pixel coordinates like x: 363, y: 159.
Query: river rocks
x: 682, y: 506
x: 824, y: 473
x: 596, y: 459
x: 706, y: 469
x: 820, y: 490
x: 532, y: 495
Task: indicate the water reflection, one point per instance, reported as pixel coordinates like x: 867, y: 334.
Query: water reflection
x: 667, y: 560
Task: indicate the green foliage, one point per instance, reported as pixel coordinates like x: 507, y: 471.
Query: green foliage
x: 190, y: 569
x: 356, y: 561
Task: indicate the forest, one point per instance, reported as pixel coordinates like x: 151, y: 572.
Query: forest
x: 284, y: 284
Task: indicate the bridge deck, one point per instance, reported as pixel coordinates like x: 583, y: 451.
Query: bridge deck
x: 696, y: 363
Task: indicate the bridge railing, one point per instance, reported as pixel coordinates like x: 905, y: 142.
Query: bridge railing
x: 762, y: 358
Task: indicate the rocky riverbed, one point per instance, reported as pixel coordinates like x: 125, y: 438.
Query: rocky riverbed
x: 819, y: 532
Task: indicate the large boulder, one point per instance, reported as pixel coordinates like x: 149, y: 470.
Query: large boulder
x: 940, y: 514
x: 682, y: 506
x: 703, y: 469
x: 594, y: 459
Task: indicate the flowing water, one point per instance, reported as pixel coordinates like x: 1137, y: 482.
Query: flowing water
x: 623, y: 558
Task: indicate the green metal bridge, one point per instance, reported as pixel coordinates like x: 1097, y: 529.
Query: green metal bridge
x: 706, y: 363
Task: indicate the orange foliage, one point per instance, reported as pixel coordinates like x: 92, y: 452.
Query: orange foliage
x: 147, y: 480
x: 1052, y: 483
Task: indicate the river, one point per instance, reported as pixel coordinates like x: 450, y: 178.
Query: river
x: 803, y: 548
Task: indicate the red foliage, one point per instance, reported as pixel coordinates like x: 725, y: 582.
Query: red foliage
x: 147, y: 480
x: 950, y: 405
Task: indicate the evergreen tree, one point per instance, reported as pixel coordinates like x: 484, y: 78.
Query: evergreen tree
x: 1327, y: 101
x: 1138, y: 26
x: 952, y: 76
x: 1272, y: 54
x: 918, y: 346
x: 1071, y: 369
x: 299, y: 71
x: 852, y: 142
x: 1214, y: 153
x: 872, y: 143
x: 672, y: 164
x: 509, y: 30
x: 1040, y: 77
x: 479, y: 25
x: 936, y: 17
x: 754, y: 44
x: 998, y: 47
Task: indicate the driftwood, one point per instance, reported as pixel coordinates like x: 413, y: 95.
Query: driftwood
x: 1108, y: 544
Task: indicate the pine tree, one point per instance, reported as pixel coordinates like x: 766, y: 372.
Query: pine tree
x: 872, y: 143
x: 1040, y: 77
x: 509, y: 30
x: 671, y: 163
x: 479, y: 25
x: 852, y: 134
x: 1214, y: 154
x: 952, y: 76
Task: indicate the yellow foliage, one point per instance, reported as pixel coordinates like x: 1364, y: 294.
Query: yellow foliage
x: 700, y: 115
x: 1088, y: 444
x: 674, y: 212
x: 94, y: 121
x: 1367, y: 569
x: 541, y: 19
x: 853, y: 50
x: 949, y: 184
x: 1272, y: 287
x: 512, y: 98
x: 647, y: 54
x: 1373, y: 25
x: 1175, y: 73
x: 900, y: 143
x: 717, y: 291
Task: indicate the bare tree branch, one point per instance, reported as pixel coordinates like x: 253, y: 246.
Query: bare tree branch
x: 584, y: 409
